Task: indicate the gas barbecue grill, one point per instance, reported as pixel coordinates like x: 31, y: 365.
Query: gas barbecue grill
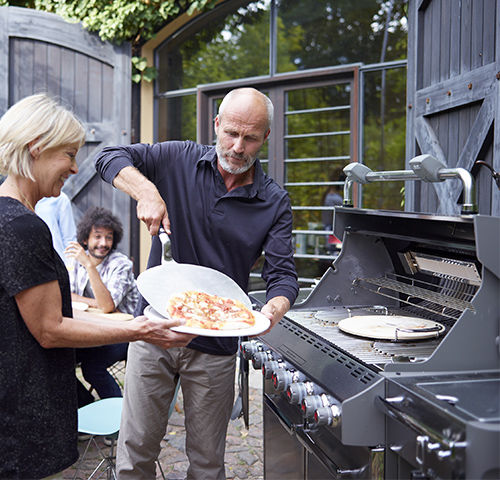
x: 338, y: 405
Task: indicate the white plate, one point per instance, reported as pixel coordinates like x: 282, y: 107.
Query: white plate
x: 79, y: 306
x: 261, y: 324
x: 386, y: 327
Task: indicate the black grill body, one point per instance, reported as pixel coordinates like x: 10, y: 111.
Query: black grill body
x: 386, y: 408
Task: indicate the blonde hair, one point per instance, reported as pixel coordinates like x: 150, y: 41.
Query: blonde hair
x: 40, y: 121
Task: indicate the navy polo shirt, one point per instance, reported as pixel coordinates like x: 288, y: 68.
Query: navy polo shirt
x: 210, y: 226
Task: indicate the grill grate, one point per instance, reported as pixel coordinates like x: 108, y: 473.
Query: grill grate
x: 370, y: 352
x: 448, y: 298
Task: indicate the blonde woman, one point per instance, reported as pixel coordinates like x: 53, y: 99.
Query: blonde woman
x: 39, y: 140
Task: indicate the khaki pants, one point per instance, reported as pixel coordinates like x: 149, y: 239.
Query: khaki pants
x: 207, y: 383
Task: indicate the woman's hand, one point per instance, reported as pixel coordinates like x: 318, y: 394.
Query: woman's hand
x: 158, y: 332
x: 40, y: 308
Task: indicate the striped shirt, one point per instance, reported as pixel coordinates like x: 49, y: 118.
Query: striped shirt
x: 117, y: 274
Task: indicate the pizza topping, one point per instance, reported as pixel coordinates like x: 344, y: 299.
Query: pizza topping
x: 202, y: 310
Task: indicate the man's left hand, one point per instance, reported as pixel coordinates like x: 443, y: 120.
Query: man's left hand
x: 275, y: 309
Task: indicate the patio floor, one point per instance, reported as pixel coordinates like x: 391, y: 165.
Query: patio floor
x: 244, y: 452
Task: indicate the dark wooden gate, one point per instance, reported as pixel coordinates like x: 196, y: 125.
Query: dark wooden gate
x: 40, y: 52
x: 453, y: 97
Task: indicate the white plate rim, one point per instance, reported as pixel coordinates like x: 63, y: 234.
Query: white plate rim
x: 262, y: 323
x: 345, y: 325
x: 82, y: 306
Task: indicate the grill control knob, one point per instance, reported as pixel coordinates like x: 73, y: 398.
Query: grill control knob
x: 249, y: 348
x: 270, y: 366
x: 312, y: 402
x: 282, y: 378
x: 258, y: 359
x: 296, y: 392
x: 328, y: 415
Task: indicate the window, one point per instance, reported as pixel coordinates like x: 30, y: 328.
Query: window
x: 322, y: 33
x: 336, y: 73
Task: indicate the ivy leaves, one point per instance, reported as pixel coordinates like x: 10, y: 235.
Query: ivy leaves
x: 118, y: 21
x: 121, y: 20
x: 141, y: 71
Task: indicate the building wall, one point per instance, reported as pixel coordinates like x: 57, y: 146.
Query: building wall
x: 453, y: 98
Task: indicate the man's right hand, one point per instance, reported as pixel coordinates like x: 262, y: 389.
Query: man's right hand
x: 76, y: 251
x: 151, y: 208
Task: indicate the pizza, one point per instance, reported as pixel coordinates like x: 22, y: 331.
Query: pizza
x: 202, y: 310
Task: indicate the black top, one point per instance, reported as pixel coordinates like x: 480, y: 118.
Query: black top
x: 226, y: 231
x: 38, y: 409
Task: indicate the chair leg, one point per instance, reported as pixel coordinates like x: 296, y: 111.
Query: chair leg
x: 80, y: 460
x: 111, y: 467
x: 108, y: 459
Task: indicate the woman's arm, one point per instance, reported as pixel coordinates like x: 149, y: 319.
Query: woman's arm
x: 40, y: 307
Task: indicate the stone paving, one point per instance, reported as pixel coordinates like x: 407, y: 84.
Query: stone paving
x: 244, y: 454
x: 244, y: 449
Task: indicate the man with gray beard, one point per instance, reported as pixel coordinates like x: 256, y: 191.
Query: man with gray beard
x: 223, y: 211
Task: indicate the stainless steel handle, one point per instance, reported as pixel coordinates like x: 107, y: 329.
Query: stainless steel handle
x: 166, y: 246
x: 400, y: 408
x: 164, y: 238
x: 310, y: 445
x: 436, y: 329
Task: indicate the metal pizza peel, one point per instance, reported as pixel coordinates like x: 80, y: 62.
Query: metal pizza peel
x: 158, y: 284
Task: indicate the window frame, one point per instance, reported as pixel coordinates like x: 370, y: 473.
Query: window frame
x: 276, y: 86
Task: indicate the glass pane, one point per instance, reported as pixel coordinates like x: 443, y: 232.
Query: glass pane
x: 311, y: 267
x: 225, y: 46
x: 307, y: 219
x: 384, y: 139
x: 320, y: 121
x: 338, y: 94
x: 314, y: 147
x: 177, y: 118
x: 316, y: 110
x: 317, y: 126
x: 263, y: 154
x: 327, y: 171
x: 321, y: 33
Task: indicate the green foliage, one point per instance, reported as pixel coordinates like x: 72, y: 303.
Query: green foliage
x: 117, y: 21
x: 141, y: 71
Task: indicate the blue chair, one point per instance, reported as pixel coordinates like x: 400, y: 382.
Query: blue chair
x: 101, y: 418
